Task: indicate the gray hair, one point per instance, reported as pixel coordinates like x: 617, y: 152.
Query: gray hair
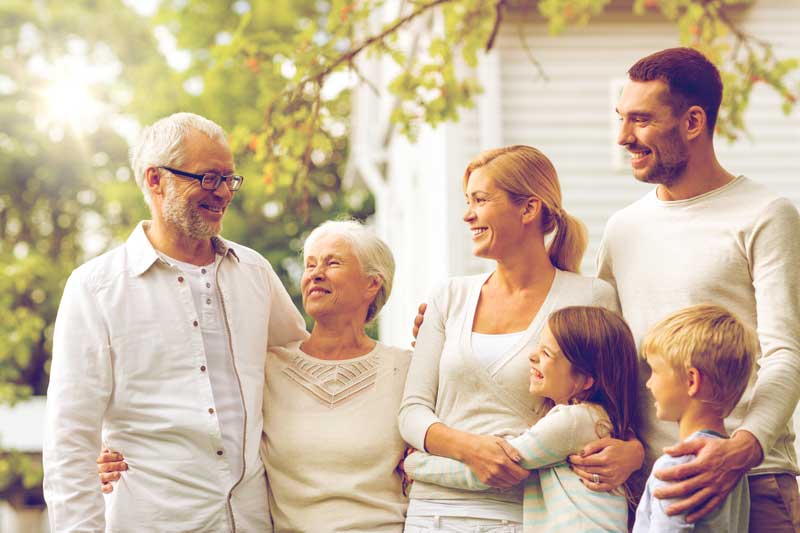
x: 162, y: 144
x: 373, y: 254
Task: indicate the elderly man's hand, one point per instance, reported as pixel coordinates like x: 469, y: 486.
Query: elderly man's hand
x: 706, y: 481
x: 109, y: 466
x: 418, y: 321
x: 605, y: 464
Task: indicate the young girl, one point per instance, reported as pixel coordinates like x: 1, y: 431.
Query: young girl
x: 586, y: 366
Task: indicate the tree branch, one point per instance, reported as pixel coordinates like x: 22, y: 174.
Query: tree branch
x: 498, y: 19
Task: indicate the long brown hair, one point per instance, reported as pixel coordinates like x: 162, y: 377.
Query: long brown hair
x: 523, y: 171
x: 598, y: 343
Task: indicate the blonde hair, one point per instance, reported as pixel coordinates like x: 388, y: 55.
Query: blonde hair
x: 523, y: 171
x: 712, y: 340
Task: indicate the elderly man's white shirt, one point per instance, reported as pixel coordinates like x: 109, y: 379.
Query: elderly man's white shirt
x: 129, y: 370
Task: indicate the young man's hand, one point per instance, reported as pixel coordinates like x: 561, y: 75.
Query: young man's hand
x: 706, y: 481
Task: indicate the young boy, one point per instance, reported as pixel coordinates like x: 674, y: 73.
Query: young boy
x: 701, y: 360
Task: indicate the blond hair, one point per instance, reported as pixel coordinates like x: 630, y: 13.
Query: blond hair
x: 712, y: 340
x: 523, y: 171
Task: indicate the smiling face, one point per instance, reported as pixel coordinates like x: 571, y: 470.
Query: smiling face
x: 493, y: 219
x: 185, y: 206
x: 652, y: 133
x: 668, y: 389
x: 552, y: 375
x: 333, y: 282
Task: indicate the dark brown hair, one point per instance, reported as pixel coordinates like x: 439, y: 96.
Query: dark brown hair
x: 692, y: 80
x: 599, y: 344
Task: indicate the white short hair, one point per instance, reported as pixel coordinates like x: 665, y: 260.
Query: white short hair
x: 162, y: 144
x: 374, y: 255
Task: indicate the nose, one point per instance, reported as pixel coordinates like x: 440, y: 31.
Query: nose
x: 468, y: 214
x: 223, y: 191
x: 625, y: 135
x: 534, y: 357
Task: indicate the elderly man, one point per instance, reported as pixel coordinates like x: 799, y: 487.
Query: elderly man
x: 706, y: 235
x: 159, y: 352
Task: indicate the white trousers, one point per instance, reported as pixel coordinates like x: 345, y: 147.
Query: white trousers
x: 457, y: 524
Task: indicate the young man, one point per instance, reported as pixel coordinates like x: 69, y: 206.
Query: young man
x: 159, y: 352
x: 706, y: 235
x: 701, y: 359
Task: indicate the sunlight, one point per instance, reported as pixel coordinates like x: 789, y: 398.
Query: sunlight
x: 68, y: 97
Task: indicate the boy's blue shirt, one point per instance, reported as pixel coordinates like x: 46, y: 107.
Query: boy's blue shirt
x: 732, y: 515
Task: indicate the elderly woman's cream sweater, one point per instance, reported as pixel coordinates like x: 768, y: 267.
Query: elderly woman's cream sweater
x: 331, y: 442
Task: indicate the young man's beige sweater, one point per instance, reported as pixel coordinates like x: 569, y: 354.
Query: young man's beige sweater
x: 737, y: 246
x: 446, y: 382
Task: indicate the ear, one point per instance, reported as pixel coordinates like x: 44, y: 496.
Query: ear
x: 693, y: 381
x: 153, y: 182
x: 695, y: 122
x: 375, y: 284
x: 532, y: 208
x: 588, y: 384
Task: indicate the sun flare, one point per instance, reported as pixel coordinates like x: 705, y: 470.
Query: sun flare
x: 68, y: 99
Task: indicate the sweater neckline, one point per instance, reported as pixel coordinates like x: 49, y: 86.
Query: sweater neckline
x: 700, y: 197
x: 487, y: 375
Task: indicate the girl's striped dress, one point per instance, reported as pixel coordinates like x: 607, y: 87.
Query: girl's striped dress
x: 555, y: 498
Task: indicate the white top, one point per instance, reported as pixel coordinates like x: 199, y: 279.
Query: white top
x: 331, y: 443
x: 447, y: 384
x: 732, y: 515
x: 224, y: 382
x: 129, y: 368
x: 555, y: 497
x: 737, y: 246
x: 489, y: 348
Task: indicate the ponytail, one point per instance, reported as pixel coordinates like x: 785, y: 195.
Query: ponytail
x: 569, y: 242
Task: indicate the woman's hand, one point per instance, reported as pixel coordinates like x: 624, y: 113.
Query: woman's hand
x: 109, y: 466
x: 494, y: 461
x: 605, y: 464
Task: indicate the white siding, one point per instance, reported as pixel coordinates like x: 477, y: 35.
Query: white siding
x: 570, y: 115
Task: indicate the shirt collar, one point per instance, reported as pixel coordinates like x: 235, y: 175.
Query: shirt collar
x: 142, y: 255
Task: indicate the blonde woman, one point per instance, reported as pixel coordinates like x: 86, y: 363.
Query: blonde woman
x: 468, y: 382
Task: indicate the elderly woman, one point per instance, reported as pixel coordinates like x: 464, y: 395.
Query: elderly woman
x: 331, y: 443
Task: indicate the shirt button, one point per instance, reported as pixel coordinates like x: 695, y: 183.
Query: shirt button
x: 180, y: 279
x: 208, y: 301
x: 194, y: 323
x: 208, y: 285
x: 202, y: 368
x: 220, y: 452
x: 203, y: 270
x: 211, y: 410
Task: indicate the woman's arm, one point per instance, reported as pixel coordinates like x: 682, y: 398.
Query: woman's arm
x: 491, y: 458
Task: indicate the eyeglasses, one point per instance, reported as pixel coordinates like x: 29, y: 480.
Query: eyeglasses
x: 211, y: 181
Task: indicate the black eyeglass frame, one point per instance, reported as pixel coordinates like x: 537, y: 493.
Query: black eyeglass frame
x: 210, y: 181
